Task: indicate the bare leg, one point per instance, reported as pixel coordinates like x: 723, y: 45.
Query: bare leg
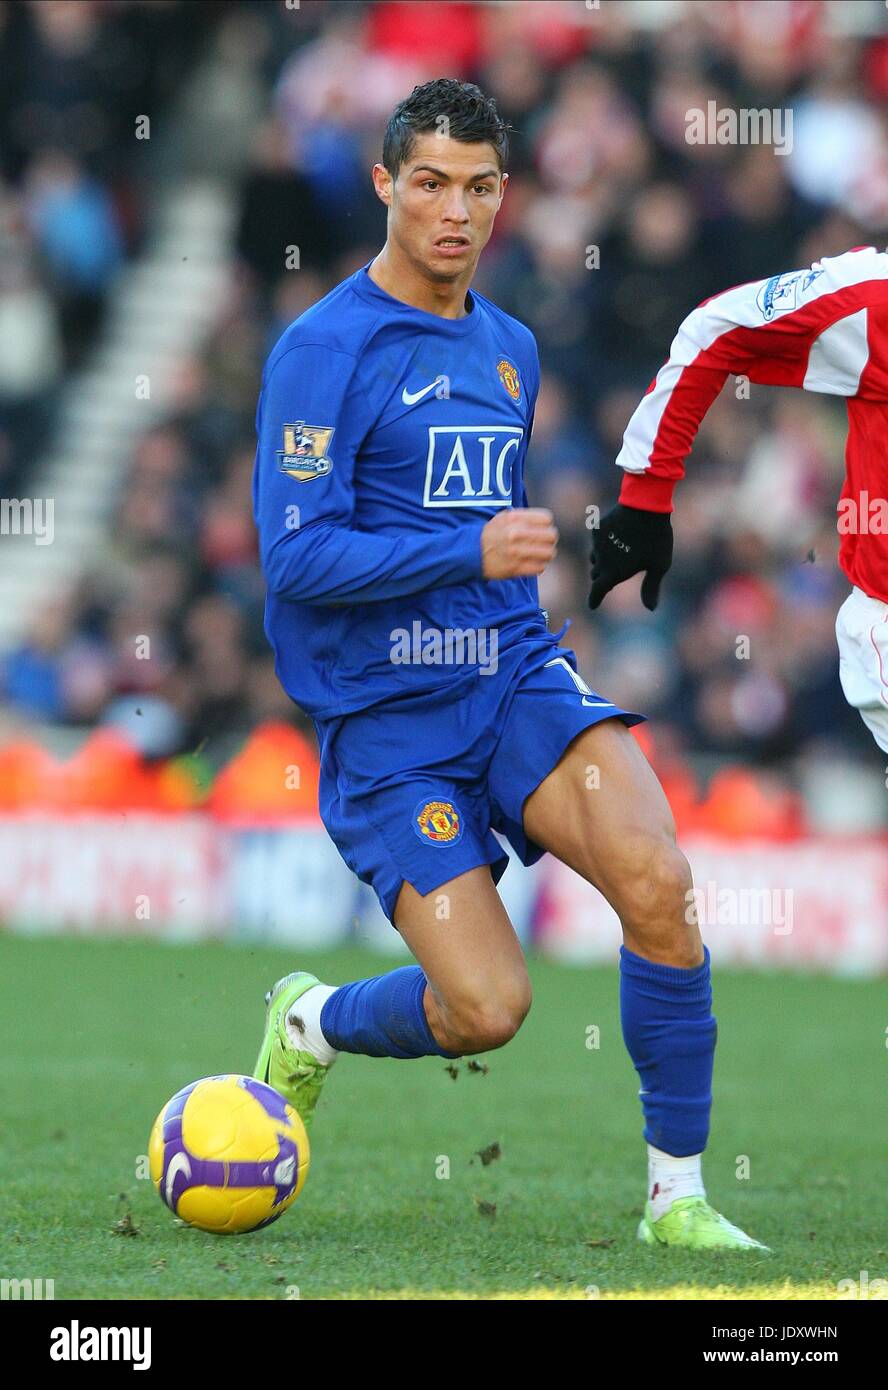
x: 478, y: 991
x: 620, y: 836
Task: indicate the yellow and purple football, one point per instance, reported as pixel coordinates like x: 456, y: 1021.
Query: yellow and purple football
x: 228, y: 1154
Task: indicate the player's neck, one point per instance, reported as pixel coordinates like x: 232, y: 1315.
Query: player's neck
x: 403, y: 280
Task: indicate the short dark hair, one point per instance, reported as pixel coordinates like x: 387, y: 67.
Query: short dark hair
x: 471, y: 117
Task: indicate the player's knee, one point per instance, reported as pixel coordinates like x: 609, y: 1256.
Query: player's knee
x: 655, y: 889
x: 483, y: 1025
x: 483, y: 1030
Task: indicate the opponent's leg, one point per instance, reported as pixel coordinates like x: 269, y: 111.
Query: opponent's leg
x: 621, y: 838
x: 469, y: 993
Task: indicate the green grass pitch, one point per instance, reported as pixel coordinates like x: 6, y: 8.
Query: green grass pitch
x: 96, y: 1035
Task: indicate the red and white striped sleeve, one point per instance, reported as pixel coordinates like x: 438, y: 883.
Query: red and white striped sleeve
x: 811, y: 328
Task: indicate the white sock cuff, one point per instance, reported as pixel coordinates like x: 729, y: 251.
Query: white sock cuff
x: 310, y: 1037
x: 672, y: 1163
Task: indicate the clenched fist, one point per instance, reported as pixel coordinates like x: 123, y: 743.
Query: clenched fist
x: 518, y: 541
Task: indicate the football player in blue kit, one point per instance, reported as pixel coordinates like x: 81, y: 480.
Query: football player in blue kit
x: 402, y: 557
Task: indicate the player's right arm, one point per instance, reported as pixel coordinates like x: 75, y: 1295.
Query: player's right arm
x: 310, y: 548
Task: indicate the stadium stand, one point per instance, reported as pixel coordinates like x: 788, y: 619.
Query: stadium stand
x: 165, y: 259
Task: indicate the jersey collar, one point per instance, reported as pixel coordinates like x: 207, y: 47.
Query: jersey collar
x: 452, y: 328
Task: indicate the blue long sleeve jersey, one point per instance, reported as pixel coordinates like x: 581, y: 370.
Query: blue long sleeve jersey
x: 388, y: 437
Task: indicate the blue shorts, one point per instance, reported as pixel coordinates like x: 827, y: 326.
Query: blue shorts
x: 413, y: 788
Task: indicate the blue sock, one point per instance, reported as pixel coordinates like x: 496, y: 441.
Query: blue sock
x: 382, y: 1017
x: 670, y: 1034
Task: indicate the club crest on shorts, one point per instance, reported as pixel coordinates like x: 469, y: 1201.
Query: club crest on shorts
x: 508, y: 375
x: 304, y: 455
x: 437, y: 822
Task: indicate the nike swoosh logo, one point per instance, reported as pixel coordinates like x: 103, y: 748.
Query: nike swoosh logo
x: 179, y: 1163
x: 598, y: 704
x: 411, y: 397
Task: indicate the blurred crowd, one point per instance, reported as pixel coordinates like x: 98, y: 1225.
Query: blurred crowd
x: 599, y: 161
x: 74, y: 202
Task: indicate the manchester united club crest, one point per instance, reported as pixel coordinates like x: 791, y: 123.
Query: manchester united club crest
x: 437, y: 822
x: 304, y: 455
x: 508, y: 375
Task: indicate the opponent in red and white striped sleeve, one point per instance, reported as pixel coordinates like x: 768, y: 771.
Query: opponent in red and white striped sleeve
x: 824, y: 329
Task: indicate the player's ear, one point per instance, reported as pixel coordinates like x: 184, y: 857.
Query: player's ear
x: 504, y: 179
x: 382, y: 182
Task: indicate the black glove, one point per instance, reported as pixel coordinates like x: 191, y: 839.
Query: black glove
x: 627, y: 541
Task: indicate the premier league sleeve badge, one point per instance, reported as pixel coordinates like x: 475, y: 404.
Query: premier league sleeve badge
x: 305, y: 453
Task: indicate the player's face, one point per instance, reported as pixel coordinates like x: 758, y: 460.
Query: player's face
x: 443, y: 204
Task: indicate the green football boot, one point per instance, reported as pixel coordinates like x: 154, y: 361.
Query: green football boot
x: 298, y: 1075
x: 692, y: 1224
